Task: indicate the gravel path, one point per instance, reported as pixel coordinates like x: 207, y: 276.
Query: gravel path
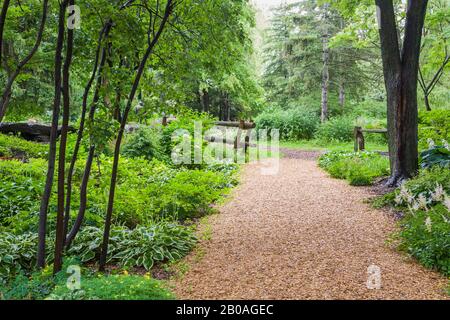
x: 301, y: 235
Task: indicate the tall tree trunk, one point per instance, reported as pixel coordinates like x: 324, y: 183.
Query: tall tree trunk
x: 87, y: 89
x: 401, y: 77
x: 87, y: 169
x: 205, y: 100
x: 53, y: 139
x: 325, y: 71
x: 6, y: 95
x: 140, y: 71
x: 60, y: 231
x: 3, y: 14
x: 342, y: 95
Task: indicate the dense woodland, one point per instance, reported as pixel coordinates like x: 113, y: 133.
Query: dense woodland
x: 110, y: 198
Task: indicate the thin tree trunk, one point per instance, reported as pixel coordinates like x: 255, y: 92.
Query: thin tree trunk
x: 140, y: 71
x: 60, y: 231
x: 3, y: 14
x: 103, y: 32
x: 325, y: 71
x: 6, y: 95
x: 53, y: 137
x: 87, y: 170
x: 342, y: 96
x: 427, y: 102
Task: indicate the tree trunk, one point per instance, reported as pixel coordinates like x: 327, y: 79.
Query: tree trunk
x: 53, y: 137
x: 104, y: 31
x: 325, y: 71
x: 205, y: 101
x: 6, y: 95
x: 401, y: 77
x: 140, y: 71
x: 427, y: 102
x: 3, y: 14
x: 87, y: 169
x: 60, y: 230
x: 342, y: 96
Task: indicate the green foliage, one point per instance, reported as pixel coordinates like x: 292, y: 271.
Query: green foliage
x: 20, y: 193
x: 436, y: 156
x: 425, y: 228
x: 359, y: 169
x: 426, y: 236
x: 172, y: 134
x: 139, y: 247
x: 114, y: 287
x: 293, y: 124
x: 434, y: 125
x: 14, y: 147
x: 336, y: 130
x: 146, y: 143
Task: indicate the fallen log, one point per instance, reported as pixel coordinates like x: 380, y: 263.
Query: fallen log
x: 30, y: 131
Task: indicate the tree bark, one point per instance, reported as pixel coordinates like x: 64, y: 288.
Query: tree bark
x: 103, y: 33
x: 88, y: 167
x: 6, y: 95
x: 53, y: 137
x: 140, y: 71
x: 325, y: 71
x: 401, y: 77
x: 342, y: 95
x: 60, y: 228
x: 3, y: 14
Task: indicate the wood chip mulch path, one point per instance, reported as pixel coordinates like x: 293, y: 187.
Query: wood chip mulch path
x: 302, y: 235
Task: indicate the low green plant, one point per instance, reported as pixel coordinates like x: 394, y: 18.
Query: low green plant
x: 15, y: 147
x: 360, y: 168
x: 146, y: 143
x: 433, y: 125
x: 114, y: 287
x: 436, y: 156
x: 336, y: 130
x: 425, y: 235
x: 425, y: 228
x: 293, y: 124
x: 139, y: 247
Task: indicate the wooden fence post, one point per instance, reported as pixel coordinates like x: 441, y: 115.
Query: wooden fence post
x: 359, y: 139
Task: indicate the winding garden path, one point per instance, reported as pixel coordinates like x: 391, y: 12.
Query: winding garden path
x: 301, y: 235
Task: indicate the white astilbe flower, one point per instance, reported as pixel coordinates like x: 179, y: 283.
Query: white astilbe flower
x: 445, y: 144
x: 406, y: 195
x: 447, y: 202
x: 438, y: 194
x: 399, y: 199
x: 422, y: 201
x: 431, y: 143
x: 428, y: 223
x: 415, y: 206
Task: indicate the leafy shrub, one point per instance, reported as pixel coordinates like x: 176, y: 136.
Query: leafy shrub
x: 434, y: 125
x: 360, y: 168
x: 11, y: 146
x: 436, y: 156
x: 146, y: 143
x: 293, y: 124
x: 426, y: 236
x: 114, y: 287
x: 425, y: 228
x: 20, y: 191
x: 185, y: 121
x: 336, y: 130
x: 140, y: 247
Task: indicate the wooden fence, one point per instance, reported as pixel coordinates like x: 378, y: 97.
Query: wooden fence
x: 360, y: 142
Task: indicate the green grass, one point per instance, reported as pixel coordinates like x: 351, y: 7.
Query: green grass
x: 316, y: 145
x: 115, y: 287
